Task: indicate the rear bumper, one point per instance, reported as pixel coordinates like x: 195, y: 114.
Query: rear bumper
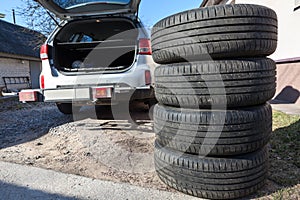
x: 86, y: 95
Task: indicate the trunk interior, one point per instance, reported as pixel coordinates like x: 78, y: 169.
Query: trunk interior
x: 95, y: 45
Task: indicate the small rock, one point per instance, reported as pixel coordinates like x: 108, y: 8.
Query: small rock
x: 87, y: 154
x: 28, y: 163
x: 66, y: 152
x: 39, y: 144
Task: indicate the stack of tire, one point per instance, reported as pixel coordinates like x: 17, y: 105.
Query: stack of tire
x: 212, y: 122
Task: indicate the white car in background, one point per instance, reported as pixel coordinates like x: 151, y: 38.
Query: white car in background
x: 99, y: 54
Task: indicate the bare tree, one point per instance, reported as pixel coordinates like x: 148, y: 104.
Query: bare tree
x: 36, y: 17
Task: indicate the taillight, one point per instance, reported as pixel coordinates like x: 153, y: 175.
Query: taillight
x: 147, y: 77
x: 44, y: 52
x: 145, y: 47
x: 28, y: 95
x: 102, y: 92
x: 42, y: 82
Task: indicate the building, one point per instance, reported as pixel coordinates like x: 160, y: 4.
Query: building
x: 19, y: 55
x: 287, y: 55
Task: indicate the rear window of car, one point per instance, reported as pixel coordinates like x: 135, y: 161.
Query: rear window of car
x: 67, y: 4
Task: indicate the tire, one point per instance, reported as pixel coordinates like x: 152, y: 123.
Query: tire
x: 217, y: 32
x: 151, y: 103
x: 212, y: 178
x: 67, y: 108
x: 234, y: 83
x: 213, y: 133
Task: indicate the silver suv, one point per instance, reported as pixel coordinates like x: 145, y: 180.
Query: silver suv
x: 99, y: 54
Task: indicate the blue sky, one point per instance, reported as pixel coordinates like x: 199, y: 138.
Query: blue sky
x: 151, y: 11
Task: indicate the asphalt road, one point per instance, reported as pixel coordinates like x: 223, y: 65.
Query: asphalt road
x: 18, y: 182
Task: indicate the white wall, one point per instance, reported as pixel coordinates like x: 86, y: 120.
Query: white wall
x: 289, y: 26
x: 13, y: 67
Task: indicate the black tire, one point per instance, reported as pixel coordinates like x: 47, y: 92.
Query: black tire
x: 223, y: 31
x: 67, y: 108
x: 212, y: 178
x: 151, y: 103
x: 214, y: 133
x: 235, y: 83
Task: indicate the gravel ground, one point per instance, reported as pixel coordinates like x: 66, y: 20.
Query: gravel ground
x: 116, y: 150
x: 22, y: 123
x: 39, y: 135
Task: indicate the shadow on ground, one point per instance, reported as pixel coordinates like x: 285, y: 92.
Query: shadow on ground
x: 14, y: 192
x: 22, y: 123
x: 284, y: 171
x: 132, y: 112
x: 285, y: 155
x: 288, y: 95
x: 118, y: 117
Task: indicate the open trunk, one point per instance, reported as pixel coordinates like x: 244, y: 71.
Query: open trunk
x: 96, y: 45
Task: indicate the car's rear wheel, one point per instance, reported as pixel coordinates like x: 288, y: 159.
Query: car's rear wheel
x: 67, y: 108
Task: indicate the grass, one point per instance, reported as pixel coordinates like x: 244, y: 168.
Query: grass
x: 287, y: 193
x: 285, y: 141
x: 285, y: 156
